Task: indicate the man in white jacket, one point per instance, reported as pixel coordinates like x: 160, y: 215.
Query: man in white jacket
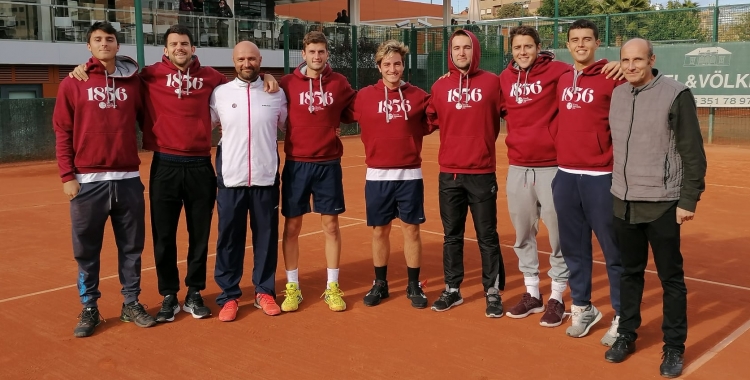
x: 247, y: 165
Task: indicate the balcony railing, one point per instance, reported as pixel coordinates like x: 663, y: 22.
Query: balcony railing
x: 57, y: 23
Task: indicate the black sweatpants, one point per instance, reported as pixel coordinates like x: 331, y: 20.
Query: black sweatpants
x: 664, y: 236
x: 121, y: 200
x: 478, y: 193
x: 172, y: 186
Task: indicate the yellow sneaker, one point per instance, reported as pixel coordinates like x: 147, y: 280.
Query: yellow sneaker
x: 334, y: 297
x: 293, y: 297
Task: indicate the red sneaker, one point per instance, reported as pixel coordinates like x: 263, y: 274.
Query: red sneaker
x: 266, y: 303
x: 229, y: 311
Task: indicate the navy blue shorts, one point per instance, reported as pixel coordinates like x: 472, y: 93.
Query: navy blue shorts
x: 388, y: 200
x: 322, y: 180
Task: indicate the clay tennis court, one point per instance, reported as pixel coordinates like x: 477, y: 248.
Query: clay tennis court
x: 39, y: 302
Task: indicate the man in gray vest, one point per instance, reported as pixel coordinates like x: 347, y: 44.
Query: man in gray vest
x: 657, y: 180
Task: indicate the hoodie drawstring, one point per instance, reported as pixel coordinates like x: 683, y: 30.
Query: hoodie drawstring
x: 387, y: 109
x: 110, y: 91
x: 461, y: 102
x: 187, y: 87
x: 403, y: 106
x: 311, y: 108
x: 576, y: 74
x: 519, y: 95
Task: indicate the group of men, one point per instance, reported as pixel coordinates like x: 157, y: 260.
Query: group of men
x: 587, y: 153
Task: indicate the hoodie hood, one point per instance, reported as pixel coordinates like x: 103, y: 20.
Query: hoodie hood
x: 301, y: 71
x: 595, y: 68
x: 476, y: 53
x: 194, y: 65
x: 396, y: 93
x: 541, y: 61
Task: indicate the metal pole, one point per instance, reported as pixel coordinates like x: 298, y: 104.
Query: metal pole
x: 285, y: 30
x: 557, y: 15
x: 712, y: 110
x: 606, y: 33
x: 139, y: 34
x: 355, y: 57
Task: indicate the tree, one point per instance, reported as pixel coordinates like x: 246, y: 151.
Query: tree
x: 682, y: 23
x: 738, y: 30
x: 512, y: 10
x: 621, y: 6
x: 567, y: 8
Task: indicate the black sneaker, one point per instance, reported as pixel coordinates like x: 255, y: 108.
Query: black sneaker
x: 620, y: 350
x: 135, y: 312
x: 415, y: 293
x: 194, y: 305
x: 494, y: 304
x: 447, y: 300
x: 88, y: 320
x: 169, y: 307
x: 378, y: 292
x: 671, y: 363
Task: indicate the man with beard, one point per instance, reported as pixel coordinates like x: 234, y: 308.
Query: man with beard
x: 247, y: 165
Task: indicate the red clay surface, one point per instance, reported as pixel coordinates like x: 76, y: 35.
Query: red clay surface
x: 39, y: 303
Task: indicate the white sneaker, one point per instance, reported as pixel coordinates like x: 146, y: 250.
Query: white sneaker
x: 611, y: 335
x: 584, y: 317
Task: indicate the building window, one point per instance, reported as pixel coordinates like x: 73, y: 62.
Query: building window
x: 20, y: 91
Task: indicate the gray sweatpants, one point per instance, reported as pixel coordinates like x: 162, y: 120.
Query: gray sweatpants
x: 122, y: 201
x: 529, y: 191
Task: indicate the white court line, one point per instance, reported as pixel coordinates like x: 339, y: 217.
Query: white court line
x: 708, y: 355
x: 143, y: 270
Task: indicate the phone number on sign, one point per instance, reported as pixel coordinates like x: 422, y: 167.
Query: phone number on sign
x: 722, y: 100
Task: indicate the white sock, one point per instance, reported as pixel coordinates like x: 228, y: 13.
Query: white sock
x: 293, y: 276
x: 532, y: 286
x: 557, y: 290
x: 333, y: 275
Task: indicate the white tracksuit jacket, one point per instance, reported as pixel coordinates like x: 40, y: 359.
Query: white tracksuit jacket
x: 249, y: 119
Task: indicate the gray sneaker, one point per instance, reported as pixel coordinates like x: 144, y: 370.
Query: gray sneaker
x: 611, y: 335
x: 583, y: 319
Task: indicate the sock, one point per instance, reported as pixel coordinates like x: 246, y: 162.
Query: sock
x: 293, y: 276
x: 532, y: 286
x: 413, y: 274
x: 557, y: 290
x: 333, y: 275
x: 453, y: 290
x: 381, y: 273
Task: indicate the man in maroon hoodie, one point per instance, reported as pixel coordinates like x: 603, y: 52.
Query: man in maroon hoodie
x: 466, y: 107
x: 391, y: 114
x: 97, y: 154
x: 581, y: 188
x: 317, y: 97
x: 177, y: 127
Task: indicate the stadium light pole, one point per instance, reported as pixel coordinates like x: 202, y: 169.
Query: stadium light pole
x: 139, y: 34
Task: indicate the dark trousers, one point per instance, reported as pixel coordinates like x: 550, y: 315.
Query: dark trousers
x: 233, y: 205
x: 664, y: 236
x: 123, y: 202
x: 584, y: 204
x: 172, y: 186
x: 458, y: 194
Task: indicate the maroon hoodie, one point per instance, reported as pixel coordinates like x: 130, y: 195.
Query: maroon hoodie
x: 316, y: 107
x: 583, y: 137
x: 393, y: 122
x: 178, y: 120
x: 530, y: 110
x: 94, y: 121
x: 466, y: 108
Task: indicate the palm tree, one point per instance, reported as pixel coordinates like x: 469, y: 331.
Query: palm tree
x: 622, y: 6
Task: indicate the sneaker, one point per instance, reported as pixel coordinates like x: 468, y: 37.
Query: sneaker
x: 136, y: 313
x: 553, y: 317
x: 228, y: 311
x: 378, y: 292
x: 415, y: 293
x: 292, y: 298
x: 583, y: 317
x: 447, y: 300
x: 266, y: 303
x: 620, y: 350
x: 609, y: 337
x: 528, y: 305
x: 194, y: 305
x: 334, y: 297
x: 169, y: 307
x: 494, y: 304
x: 88, y: 320
x: 671, y: 363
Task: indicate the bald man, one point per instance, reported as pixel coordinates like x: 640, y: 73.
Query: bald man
x: 658, y: 177
x: 247, y: 166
